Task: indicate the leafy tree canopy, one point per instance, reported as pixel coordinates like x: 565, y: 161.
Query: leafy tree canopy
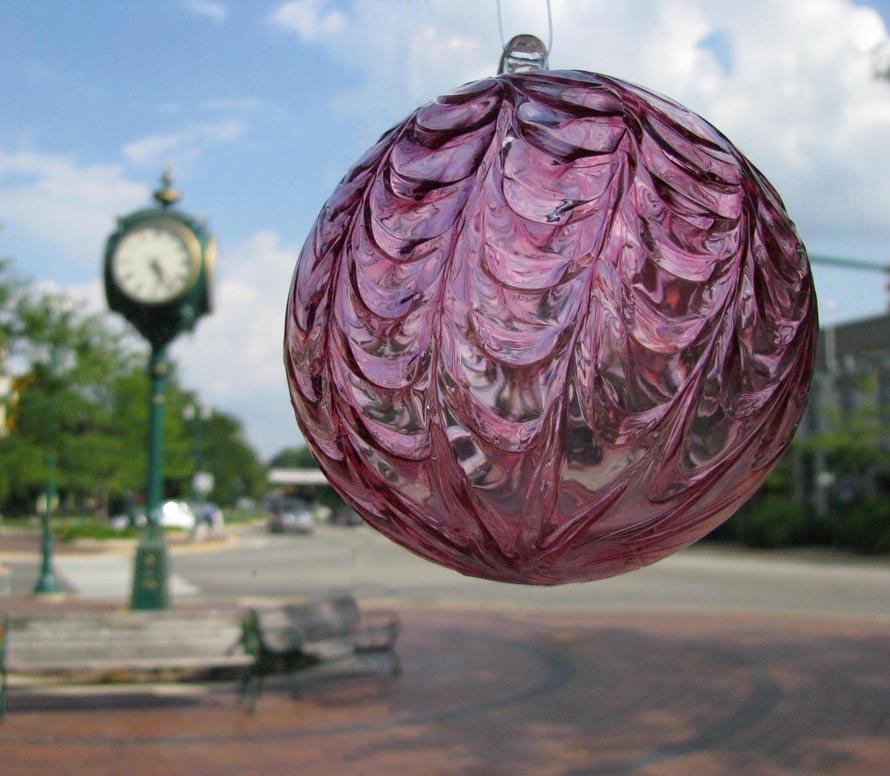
x: 76, y: 411
x: 293, y: 458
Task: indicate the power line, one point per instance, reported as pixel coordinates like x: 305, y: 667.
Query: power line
x: 861, y: 264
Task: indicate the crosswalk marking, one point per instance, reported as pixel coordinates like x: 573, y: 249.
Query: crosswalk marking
x: 109, y: 576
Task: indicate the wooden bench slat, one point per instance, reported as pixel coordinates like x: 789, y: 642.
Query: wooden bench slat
x: 124, y: 638
x: 23, y: 658
x: 82, y: 643
x: 134, y: 663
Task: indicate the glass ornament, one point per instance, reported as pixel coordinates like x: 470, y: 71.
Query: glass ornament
x: 551, y: 328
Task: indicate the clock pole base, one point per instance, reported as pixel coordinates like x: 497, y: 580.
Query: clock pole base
x: 150, y: 572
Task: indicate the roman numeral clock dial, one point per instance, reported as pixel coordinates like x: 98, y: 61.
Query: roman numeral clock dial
x: 154, y: 264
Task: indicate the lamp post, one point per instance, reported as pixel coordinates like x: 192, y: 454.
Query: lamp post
x: 46, y: 582
x: 195, y: 417
x: 150, y: 576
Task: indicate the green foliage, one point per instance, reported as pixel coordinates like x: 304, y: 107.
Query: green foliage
x: 237, y: 471
x: 78, y: 413
x: 853, y: 443
x: 74, y: 528
x: 294, y: 458
x: 775, y: 521
x: 89, y: 528
x: 864, y: 527
x: 241, y: 516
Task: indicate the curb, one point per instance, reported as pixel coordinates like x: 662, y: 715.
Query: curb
x: 123, y: 547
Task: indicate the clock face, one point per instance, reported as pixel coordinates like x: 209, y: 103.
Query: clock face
x: 154, y: 264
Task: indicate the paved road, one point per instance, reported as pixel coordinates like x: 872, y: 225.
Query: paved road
x: 711, y: 662
x: 483, y: 693
x: 94, y: 576
x: 701, y: 578
x: 360, y: 561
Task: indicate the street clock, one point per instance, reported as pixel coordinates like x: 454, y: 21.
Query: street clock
x: 159, y: 269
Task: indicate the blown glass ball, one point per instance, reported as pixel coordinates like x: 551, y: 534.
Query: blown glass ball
x: 551, y: 328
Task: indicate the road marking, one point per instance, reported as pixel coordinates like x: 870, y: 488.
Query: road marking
x: 109, y: 576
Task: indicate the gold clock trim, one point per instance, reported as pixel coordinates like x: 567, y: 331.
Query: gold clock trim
x: 191, y: 245
x: 209, y: 267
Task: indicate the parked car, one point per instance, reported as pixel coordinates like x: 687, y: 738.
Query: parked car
x: 347, y: 517
x: 177, y: 514
x: 291, y: 516
x: 174, y: 514
x: 207, y: 515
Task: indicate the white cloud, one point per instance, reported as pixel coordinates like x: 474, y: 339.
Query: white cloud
x: 800, y: 98
x: 64, y: 205
x: 183, y: 146
x: 309, y: 19
x: 210, y: 9
x: 234, y: 357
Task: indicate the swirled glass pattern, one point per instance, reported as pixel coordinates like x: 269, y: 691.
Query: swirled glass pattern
x: 551, y: 328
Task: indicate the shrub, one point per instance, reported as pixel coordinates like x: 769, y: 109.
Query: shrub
x: 72, y: 529
x: 775, y: 521
x: 864, y: 527
x: 90, y: 528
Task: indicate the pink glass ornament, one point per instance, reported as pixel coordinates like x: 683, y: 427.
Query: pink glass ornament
x: 551, y: 328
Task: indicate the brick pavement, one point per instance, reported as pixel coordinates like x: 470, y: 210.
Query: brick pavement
x: 486, y: 692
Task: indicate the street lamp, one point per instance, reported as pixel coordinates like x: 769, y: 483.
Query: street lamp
x: 196, y: 417
x: 46, y: 582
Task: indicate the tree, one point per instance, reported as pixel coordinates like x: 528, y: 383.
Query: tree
x: 66, y: 363
x: 236, y: 468
x: 294, y: 458
x: 80, y: 410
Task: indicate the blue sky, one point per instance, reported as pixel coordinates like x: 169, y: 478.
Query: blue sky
x: 261, y: 107
x: 88, y: 80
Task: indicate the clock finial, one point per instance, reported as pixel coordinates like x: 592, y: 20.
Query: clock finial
x: 167, y: 195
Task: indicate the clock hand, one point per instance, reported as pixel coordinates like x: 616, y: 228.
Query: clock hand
x: 157, y: 269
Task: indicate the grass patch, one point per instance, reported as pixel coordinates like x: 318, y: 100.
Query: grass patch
x: 71, y: 529
x: 235, y: 516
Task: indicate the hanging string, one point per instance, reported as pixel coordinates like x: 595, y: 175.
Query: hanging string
x: 549, y: 27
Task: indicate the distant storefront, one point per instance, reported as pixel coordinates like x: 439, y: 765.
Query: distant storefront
x: 851, y: 382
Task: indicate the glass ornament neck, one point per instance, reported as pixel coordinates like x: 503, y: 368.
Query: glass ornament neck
x: 524, y: 54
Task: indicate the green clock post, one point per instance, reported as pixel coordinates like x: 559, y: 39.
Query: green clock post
x: 158, y: 271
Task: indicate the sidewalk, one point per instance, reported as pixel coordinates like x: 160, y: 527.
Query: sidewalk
x: 94, y: 569
x: 25, y: 545
x: 561, y: 694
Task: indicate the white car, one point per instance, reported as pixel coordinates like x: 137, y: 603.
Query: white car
x: 177, y: 514
x: 174, y: 514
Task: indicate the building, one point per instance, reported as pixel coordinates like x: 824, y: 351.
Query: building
x: 851, y: 381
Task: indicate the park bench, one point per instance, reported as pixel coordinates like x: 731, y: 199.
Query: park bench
x: 329, y: 637
x: 102, y: 647
x: 315, y: 637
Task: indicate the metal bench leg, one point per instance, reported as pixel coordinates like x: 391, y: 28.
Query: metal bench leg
x: 251, y: 688
x: 296, y: 690
x: 4, y: 630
